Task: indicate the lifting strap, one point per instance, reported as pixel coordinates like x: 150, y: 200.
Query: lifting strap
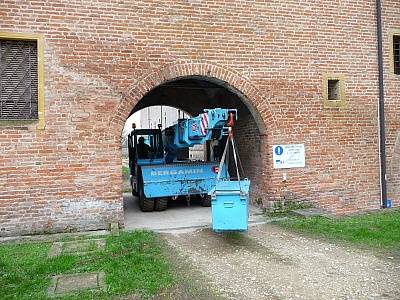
x: 235, y: 156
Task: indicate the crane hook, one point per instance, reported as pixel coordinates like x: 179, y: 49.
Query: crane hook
x: 230, y: 122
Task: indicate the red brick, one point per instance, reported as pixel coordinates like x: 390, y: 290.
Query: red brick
x: 102, y: 59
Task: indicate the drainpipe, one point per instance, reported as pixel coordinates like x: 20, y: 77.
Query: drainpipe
x: 382, y: 138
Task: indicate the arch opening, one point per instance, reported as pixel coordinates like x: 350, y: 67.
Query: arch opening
x: 193, y: 94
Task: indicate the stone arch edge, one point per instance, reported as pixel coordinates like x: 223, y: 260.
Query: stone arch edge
x: 252, y: 97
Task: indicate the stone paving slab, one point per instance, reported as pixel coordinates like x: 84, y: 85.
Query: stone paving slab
x: 51, y: 237
x: 63, y: 284
x: 77, y: 247
x: 309, y: 212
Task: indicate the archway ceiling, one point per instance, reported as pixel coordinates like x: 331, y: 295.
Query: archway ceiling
x: 191, y: 95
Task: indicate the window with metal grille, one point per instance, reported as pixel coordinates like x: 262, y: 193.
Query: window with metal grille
x: 396, y: 54
x: 18, y: 79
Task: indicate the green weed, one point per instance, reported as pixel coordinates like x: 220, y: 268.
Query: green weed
x: 125, y: 170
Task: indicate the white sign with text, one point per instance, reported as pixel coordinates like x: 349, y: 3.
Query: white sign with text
x: 289, y: 156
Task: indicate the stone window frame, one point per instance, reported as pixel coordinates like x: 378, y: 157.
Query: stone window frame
x: 392, y: 34
x: 39, y: 39
x: 334, y: 90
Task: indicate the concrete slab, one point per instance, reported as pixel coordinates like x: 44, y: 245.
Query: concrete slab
x: 309, y: 212
x: 77, y: 247
x: 177, y: 216
x: 332, y: 217
x: 63, y: 284
x: 51, y: 237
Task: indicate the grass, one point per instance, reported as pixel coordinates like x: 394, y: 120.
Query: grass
x: 140, y: 263
x: 125, y: 170
x: 378, y: 231
x: 134, y: 263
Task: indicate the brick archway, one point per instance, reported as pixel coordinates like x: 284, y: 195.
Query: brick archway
x: 258, y: 160
x: 230, y: 79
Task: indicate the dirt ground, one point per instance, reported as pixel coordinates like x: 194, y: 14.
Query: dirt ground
x: 269, y: 262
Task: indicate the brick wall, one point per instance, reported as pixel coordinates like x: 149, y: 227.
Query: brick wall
x: 102, y: 57
x: 392, y: 96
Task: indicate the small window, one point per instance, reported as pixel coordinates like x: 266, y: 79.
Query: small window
x: 334, y: 90
x: 394, y: 49
x: 21, y: 77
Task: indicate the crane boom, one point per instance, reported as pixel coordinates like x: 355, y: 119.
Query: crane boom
x: 210, y: 125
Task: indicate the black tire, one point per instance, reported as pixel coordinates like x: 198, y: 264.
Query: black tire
x: 145, y: 205
x: 160, y: 204
x: 204, y: 201
x: 134, y: 192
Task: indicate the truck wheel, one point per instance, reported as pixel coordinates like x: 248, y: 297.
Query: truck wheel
x: 144, y: 203
x: 204, y: 201
x: 160, y: 204
x: 134, y: 192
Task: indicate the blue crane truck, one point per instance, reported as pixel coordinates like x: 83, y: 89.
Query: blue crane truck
x: 156, y: 173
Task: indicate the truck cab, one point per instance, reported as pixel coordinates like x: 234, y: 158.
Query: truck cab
x: 151, y: 153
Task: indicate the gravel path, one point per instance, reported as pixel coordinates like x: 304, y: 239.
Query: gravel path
x: 270, y: 262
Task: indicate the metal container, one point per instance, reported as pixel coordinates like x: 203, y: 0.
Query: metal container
x: 230, y: 205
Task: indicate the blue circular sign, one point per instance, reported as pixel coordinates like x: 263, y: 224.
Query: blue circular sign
x: 278, y: 150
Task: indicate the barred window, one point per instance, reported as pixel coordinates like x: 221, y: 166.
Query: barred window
x: 18, y: 79
x: 396, y: 54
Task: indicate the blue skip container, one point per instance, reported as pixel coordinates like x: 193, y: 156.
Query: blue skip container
x: 230, y: 205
